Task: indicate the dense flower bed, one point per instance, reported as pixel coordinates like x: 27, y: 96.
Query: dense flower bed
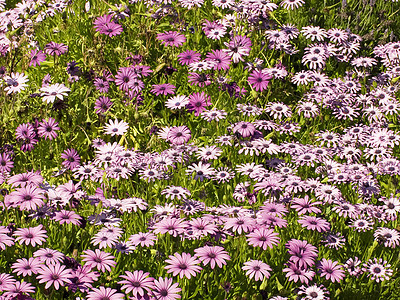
x: 199, y: 150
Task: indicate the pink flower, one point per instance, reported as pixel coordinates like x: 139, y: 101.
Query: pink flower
x: 257, y: 269
x: 54, y: 275
x: 31, y: 235
x: 184, y: 265
x: 165, y: 290
x: 331, y: 270
x: 101, y: 260
x: 212, y: 255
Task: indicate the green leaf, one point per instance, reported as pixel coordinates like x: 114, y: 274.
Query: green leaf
x: 159, y: 68
x: 279, y: 285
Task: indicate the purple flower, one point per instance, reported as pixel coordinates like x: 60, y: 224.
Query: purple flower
x: 188, y: 57
x: 295, y: 273
x: 101, y: 260
x: 163, y: 89
x: 111, y: 29
x: 179, y: 135
x: 245, y: 129
x: 198, y: 103
x: 259, y: 80
x: 6, y: 164
x: 53, y: 48
x: 72, y: 159
x: 171, y: 38
x: 37, y: 57
x: 47, y: 129
x: 314, y: 223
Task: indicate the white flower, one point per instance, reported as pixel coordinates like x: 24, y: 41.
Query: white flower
x: 51, y: 92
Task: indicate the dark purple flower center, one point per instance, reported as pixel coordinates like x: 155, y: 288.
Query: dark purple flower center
x: 183, y: 266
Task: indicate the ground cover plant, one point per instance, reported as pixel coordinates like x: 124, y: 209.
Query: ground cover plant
x: 199, y: 149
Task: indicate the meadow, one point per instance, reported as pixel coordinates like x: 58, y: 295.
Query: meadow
x: 199, y: 149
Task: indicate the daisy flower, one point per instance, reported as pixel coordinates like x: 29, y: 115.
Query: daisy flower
x: 257, y: 269
x: 31, y: 235
x: 184, y: 265
x: 51, y: 92
x: 16, y: 83
x: 116, y: 127
x: 164, y: 289
x: 171, y: 38
x: 177, y: 102
x: 137, y: 282
x: 98, y: 259
x: 47, y: 129
x: 377, y: 269
x: 215, y: 255
x: 331, y: 270
x: 104, y: 293
x: 56, y: 275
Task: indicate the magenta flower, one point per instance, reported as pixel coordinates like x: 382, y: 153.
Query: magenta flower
x: 263, y: 237
x: 103, y: 293
x: 17, y: 290
x: 188, y: 57
x: 198, y: 103
x: 184, y: 265
x: 37, y: 57
x: 31, y: 235
x: 47, y: 129
x: 5, y: 241
x: 111, y: 29
x: 25, y: 131
x: 6, y: 164
x: 53, y: 48
x: 137, y: 282
x: 259, y: 80
x: 72, y: 159
x: 55, y: 275
x: 173, y: 226
x: 163, y: 89
x: 102, y: 104
x: 239, y: 224
x: 212, y: 255
x: 98, y: 259
x: 27, y: 178
x: 171, y: 38
x: 331, y: 270
x: 165, y: 290
x: 245, y: 129
x: 257, y: 269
